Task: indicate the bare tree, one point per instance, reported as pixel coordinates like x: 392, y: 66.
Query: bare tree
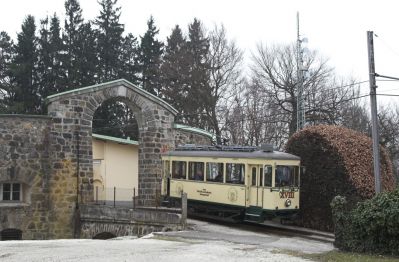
x: 275, y: 70
x: 225, y: 60
x: 388, y: 122
x: 234, y: 128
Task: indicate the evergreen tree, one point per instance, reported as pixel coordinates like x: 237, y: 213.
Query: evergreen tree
x: 109, y: 35
x: 71, y: 39
x: 150, y: 59
x: 198, y: 74
x: 24, y: 92
x: 87, y: 56
x: 50, y: 71
x: 130, y: 69
x: 115, y: 118
x: 6, y: 54
x: 174, y: 70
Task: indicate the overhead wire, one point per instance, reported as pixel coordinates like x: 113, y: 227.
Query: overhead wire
x: 386, y: 44
x: 246, y: 119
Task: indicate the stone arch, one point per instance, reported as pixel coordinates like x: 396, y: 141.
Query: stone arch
x: 104, y: 235
x: 72, y: 114
x: 11, y: 234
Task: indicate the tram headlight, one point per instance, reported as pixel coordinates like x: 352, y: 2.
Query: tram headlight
x: 288, y: 203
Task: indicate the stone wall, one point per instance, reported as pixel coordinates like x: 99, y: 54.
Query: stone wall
x: 25, y: 159
x: 122, y: 221
x: 43, y: 154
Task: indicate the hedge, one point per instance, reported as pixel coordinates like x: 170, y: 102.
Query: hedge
x: 338, y: 161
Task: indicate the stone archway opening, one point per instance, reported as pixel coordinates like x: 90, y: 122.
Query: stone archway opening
x: 10, y: 234
x: 115, y: 133
x: 104, y: 236
x: 115, y: 118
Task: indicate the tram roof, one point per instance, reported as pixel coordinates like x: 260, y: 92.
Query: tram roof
x: 233, y: 154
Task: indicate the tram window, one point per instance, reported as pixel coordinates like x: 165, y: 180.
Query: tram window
x: 196, y: 171
x: 179, y: 169
x: 214, y: 172
x: 254, y: 176
x: 285, y: 176
x: 261, y: 177
x: 235, y: 173
x: 268, y: 176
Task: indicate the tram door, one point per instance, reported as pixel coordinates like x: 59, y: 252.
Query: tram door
x: 256, y: 186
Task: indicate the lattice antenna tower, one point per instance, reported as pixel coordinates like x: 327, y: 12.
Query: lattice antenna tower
x: 300, y: 79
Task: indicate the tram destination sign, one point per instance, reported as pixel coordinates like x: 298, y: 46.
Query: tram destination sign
x: 204, y: 192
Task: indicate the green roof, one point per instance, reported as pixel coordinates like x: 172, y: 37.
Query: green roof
x: 195, y: 130
x: 122, y: 82
x: 116, y: 139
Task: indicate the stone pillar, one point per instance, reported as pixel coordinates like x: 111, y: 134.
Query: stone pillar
x: 156, y: 134
x: 71, y: 120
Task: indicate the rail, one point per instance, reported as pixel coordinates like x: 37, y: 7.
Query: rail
x: 122, y: 197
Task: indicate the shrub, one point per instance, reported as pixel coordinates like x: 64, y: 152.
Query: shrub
x: 371, y: 227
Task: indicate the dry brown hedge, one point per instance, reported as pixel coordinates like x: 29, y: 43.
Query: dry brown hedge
x: 338, y: 161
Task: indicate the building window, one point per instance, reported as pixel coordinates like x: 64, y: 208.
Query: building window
x: 11, y: 192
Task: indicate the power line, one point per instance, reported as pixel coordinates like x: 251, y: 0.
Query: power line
x: 258, y: 119
x: 386, y: 45
x: 387, y: 80
x: 387, y: 95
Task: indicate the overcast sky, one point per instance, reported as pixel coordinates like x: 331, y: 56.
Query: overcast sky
x: 336, y: 28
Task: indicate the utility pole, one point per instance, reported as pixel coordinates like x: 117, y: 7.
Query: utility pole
x: 300, y: 119
x: 373, y: 105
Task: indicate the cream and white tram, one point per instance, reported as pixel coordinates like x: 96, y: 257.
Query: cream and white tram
x: 239, y: 183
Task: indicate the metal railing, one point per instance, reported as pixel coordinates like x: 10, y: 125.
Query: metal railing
x: 124, y: 197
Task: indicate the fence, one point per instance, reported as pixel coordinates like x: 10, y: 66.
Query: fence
x: 116, y: 196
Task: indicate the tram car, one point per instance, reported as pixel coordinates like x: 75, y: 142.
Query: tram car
x: 233, y: 182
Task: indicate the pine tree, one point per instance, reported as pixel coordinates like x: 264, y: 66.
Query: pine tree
x: 174, y: 70
x: 115, y: 118
x: 130, y: 69
x: 150, y: 59
x: 109, y: 35
x: 87, y: 55
x: 24, y: 93
x: 71, y: 39
x: 50, y: 72
x: 198, y: 74
x: 6, y: 54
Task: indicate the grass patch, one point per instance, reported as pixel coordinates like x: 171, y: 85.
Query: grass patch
x: 339, y: 256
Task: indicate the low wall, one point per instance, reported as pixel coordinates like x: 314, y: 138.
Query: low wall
x: 122, y: 221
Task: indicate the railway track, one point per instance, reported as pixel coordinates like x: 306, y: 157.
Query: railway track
x: 279, y: 229
x: 271, y: 227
